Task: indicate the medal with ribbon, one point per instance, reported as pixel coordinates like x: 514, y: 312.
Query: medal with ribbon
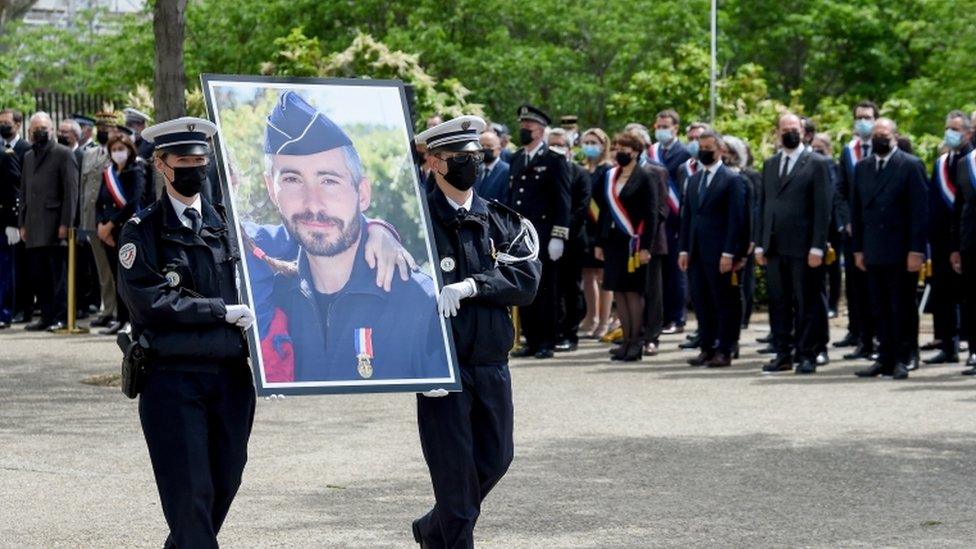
x: 111, y: 178
x: 364, y: 352
x: 623, y: 220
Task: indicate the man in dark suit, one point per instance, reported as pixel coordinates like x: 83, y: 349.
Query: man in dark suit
x: 945, y: 282
x: 794, y: 210
x: 540, y: 191
x: 674, y: 280
x: 713, y: 236
x: 493, y: 180
x: 860, y: 328
x: 48, y: 194
x: 11, y: 159
x: 962, y: 242
x: 889, y: 211
x: 20, y: 288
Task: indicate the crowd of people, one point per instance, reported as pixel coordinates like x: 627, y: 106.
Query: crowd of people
x: 640, y: 228
x: 635, y: 230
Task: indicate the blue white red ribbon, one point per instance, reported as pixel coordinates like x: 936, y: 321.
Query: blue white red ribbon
x: 971, y: 164
x: 854, y: 152
x: 944, y: 179
x: 111, y: 178
x: 622, y: 219
x: 654, y: 153
x: 364, y: 342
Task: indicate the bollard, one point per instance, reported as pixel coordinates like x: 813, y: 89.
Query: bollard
x: 72, y: 327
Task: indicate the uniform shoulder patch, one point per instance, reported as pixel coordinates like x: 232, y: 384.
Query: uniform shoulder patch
x: 127, y: 255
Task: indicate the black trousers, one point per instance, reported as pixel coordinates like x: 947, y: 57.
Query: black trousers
x: 86, y: 276
x: 468, y: 445
x: 747, y: 277
x: 892, y: 290
x: 861, y: 321
x: 23, y: 282
x: 572, y: 305
x: 797, y: 306
x: 539, y: 318
x: 945, y: 300
x: 48, y: 265
x: 197, y: 426
x: 654, y: 300
x: 717, y: 306
x: 969, y: 299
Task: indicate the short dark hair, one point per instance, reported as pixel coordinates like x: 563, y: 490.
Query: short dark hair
x: 710, y: 133
x: 629, y: 139
x: 669, y: 113
x: 808, y: 125
x: 865, y: 104
x: 17, y: 115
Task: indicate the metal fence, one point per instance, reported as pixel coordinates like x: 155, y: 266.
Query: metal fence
x: 63, y: 105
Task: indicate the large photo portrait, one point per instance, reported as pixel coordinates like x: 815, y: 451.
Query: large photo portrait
x: 323, y: 196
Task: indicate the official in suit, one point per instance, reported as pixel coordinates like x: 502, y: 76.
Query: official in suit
x: 860, y: 327
x: 888, y: 213
x: 738, y: 159
x: 794, y: 209
x: 494, y: 175
x: 962, y: 242
x: 654, y: 289
x: 49, y: 183
x: 10, y: 163
x: 713, y: 235
x: 945, y: 282
x: 540, y: 191
x: 22, y: 298
x: 87, y: 125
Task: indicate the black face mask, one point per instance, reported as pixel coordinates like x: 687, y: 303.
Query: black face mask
x: 63, y: 141
x: 525, y: 136
x: 707, y: 158
x: 461, y: 174
x: 102, y: 137
x: 6, y: 131
x: 791, y: 139
x: 881, y: 145
x: 489, y: 155
x: 623, y: 159
x: 820, y: 152
x: 40, y: 138
x: 189, y: 181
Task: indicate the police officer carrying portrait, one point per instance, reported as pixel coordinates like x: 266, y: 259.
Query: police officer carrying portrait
x: 540, y: 191
x: 177, y: 277
x: 488, y: 262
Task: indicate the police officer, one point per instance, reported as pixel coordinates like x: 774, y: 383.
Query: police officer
x: 177, y: 277
x: 540, y: 191
x: 488, y: 263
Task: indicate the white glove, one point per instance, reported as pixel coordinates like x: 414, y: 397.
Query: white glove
x: 449, y: 302
x: 555, y: 248
x: 13, y: 235
x: 436, y: 393
x: 240, y: 315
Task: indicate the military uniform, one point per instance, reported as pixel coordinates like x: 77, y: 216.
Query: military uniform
x: 540, y: 191
x: 467, y: 436
x: 197, y: 404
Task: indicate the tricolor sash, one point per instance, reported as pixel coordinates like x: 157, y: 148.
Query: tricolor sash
x: 673, y: 201
x: 971, y: 164
x: 654, y: 153
x: 691, y: 167
x: 111, y: 178
x: 944, y: 179
x: 854, y: 152
x: 623, y: 220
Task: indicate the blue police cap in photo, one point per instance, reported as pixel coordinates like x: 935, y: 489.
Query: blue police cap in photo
x: 297, y: 128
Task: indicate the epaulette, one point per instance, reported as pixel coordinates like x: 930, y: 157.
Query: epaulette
x: 144, y: 213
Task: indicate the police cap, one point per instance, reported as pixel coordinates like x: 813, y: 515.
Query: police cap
x: 457, y: 134
x: 186, y: 136
x: 534, y: 114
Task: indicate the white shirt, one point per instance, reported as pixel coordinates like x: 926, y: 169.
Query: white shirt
x: 885, y: 158
x: 180, y: 209
x: 529, y: 155
x: 466, y: 205
x: 793, y: 155
x: 708, y: 172
x: 489, y: 167
x: 13, y: 141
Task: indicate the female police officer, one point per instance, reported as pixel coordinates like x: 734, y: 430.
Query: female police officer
x: 177, y: 277
x: 488, y: 259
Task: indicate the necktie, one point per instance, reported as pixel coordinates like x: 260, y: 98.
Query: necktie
x: 703, y: 186
x: 880, y: 165
x: 864, y: 150
x: 194, y: 216
x: 786, y: 168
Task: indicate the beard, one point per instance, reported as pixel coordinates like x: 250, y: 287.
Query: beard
x: 315, y: 242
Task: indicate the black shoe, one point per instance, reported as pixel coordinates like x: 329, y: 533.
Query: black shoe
x: 782, y: 363
x: 942, y: 357
x: 970, y: 372
x: 850, y: 340
x: 901, y: 371
x: 768, y: 350
x: 806, y: 367
x: 416, y: 534
x: 876, y: 369
x: 860, y: 353
x: 543, y: 353
x: 933, y: 345
x: 720, y: 360
x: 56, y: 326
x: 822, y: 358
x: 690, y: 344
x: 101, y: 322
x: 700, y: 360
x: 521, y: 352
x: 635, y: 352
x: 692, y: 335
x: 111, y: 329
x: 768, y: 338
x: 566, y: 346
x: 618, y: 352
x: 37, y: 326
x: 18, y: 318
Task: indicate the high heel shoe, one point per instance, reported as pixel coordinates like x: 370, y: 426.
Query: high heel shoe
x: 618, y: 353
x: 635, y: 352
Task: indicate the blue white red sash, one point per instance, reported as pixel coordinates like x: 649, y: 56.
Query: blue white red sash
x: 971, y: 164
x: 854, y: 152
x: 691, y: 167
x: 673, y: 201
x: 111, y: 178
x: 654, y: 153
x: 944, y: 179
x: 623, y: 220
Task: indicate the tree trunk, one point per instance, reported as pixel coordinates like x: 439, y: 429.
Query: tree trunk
x: 169, y: 26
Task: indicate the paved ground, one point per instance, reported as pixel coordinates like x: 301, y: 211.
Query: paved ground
x: 608, y: 455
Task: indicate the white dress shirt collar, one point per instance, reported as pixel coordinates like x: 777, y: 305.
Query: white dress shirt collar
x: 467, y: 203
x: 180, y: 208
x: 531, y: 154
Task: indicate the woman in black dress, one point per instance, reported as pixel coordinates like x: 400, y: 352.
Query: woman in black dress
x: 599, y: 302
x: 628, y: 221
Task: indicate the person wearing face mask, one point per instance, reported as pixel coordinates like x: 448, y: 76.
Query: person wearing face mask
x: 714, y: 237
x: 177, y: 269
x: 889, y: 215
x: 823, y: 145
x: 11, y: 158
x: 14, y: 149
x: 860, y: 320
x: 794, y: 210
x: 123, y: 182
x: 493, y: 177
x: 599, y: 302
x: 93, y: 166
x: 945, y: 282
x: 49, y: 186
x: 540, y: 191
x: 467, y: 436
x: 87, y: 125
x: 962, y: 246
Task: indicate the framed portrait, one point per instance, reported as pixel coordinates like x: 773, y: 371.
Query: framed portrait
x: 324, y: 199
